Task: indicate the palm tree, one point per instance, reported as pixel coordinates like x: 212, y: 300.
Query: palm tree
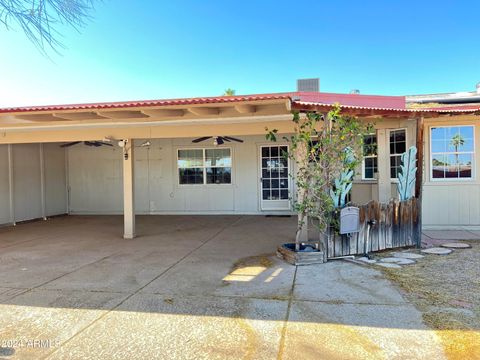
x: 229, y: 92
x: 456, y: 142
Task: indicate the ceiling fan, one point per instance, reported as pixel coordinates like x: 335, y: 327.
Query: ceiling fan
x: 217, y: 140
x: 87, y: 143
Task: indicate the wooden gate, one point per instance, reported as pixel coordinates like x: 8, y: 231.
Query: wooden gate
x: 397, y: 225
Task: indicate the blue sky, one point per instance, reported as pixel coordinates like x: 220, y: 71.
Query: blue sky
x: 199, y: 48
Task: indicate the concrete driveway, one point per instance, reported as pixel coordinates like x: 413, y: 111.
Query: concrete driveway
x: 192, y: 287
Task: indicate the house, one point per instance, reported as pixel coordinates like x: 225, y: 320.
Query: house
x: 209, y: 156
x: 451, y: 185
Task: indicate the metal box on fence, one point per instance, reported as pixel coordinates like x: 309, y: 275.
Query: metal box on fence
x: 349, y: 220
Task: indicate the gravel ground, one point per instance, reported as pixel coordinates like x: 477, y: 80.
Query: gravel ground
x: 446, y: 289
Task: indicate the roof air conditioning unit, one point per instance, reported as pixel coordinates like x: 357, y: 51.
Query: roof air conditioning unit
x: 308, y: 85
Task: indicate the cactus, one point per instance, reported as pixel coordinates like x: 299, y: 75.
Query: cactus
x: 407, y: 174
x: 343, y: 185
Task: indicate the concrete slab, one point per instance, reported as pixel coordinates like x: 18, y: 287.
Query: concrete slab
x: 344, y: 282
x: 452, y: 234
x: 456, y: 245
x: 407, y: 255
x: 189, y: 287
x: 49, y: 317
x: 358, y: 331
x: 251, y: 270
x: 437, y: 251
x: 397, y: 260
x: 151, y: 326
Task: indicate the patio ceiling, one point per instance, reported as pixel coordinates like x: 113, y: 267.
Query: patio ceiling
x: 145, y: 111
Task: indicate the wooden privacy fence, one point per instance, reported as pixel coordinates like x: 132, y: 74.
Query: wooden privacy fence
x: 397, y: 225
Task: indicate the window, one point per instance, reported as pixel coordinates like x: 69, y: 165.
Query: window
x: 398, y: 145
x: 204, y: 166
x: 370, y: 166
x: 452, y: 152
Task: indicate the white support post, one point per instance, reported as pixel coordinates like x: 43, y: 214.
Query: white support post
x: 128, y: 190
x: 11, y: 185
x: 383, y: 156
x: 42, y: 182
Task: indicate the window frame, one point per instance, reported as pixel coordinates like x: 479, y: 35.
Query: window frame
x: 203, y: 167
x: 390, y: 155
x: 370, y: 157
x: 473, y: 153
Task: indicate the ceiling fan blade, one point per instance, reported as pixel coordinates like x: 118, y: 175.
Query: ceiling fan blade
x: 92, y: 143
x: 70, y: 144
x: 233, y: 139
x: 220, y: 140
x: 104, y: 143
x: 201, y: 139
x: 224, y: 138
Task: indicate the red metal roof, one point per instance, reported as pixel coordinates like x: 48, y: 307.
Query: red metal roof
x: 312, y: 105
x: 299, y: 100
x: 397, y: 102
x: 374, y: 101
x: 143, y: 103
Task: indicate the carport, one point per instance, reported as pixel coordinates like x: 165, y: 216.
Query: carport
x: 35, y: 177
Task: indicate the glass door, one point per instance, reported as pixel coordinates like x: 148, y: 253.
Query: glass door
x: 275, y: 182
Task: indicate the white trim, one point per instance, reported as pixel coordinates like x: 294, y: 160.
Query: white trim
x: 262, y: 202
x: 390, y: 154
x: 42, y: 182
x: 11, y: 184
x: 370, y: 157
x: 470, y: 179
x: 204, y: 167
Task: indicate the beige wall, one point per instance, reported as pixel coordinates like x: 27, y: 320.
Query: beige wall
x: 384, y: 188
x: 95, y: 180
x: 451, y: 204
x: 38, y: 182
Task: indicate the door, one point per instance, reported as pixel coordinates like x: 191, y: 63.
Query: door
x: 274, y: 181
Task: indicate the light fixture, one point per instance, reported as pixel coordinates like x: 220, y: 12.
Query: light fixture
x: 146, y: 143
x: 122, y: 143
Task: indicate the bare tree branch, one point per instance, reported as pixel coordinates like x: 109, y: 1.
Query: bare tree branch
x: 39, y: 19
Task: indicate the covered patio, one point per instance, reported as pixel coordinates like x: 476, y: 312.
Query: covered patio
x: 198, y: 287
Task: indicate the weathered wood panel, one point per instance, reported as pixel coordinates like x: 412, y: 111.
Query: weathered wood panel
x: 396, y: 225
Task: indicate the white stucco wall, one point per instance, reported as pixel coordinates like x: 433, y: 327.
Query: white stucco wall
x: 95, y: 180
x: 38, y: 175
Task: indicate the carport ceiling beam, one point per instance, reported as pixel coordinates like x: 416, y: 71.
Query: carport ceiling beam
x: 202, y: 111
x: 245, y: 109
x: 123, y: 114
x: 84, y: 115
x: 164, y: 112
x: 37, y: 117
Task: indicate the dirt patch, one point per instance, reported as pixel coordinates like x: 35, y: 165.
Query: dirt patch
x: 446, y: 289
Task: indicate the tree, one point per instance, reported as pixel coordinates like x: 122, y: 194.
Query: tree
x: 229, y: 92
x: 456, y: 142
x: 39, y: 19
x: 321, y: 147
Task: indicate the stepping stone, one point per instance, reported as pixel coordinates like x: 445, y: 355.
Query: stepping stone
x: 437, y: 251
x: 399, y: 261
x: 456, y: 245
x: 389, y: 265
x: 407, y: 255
x: 367, y: 260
